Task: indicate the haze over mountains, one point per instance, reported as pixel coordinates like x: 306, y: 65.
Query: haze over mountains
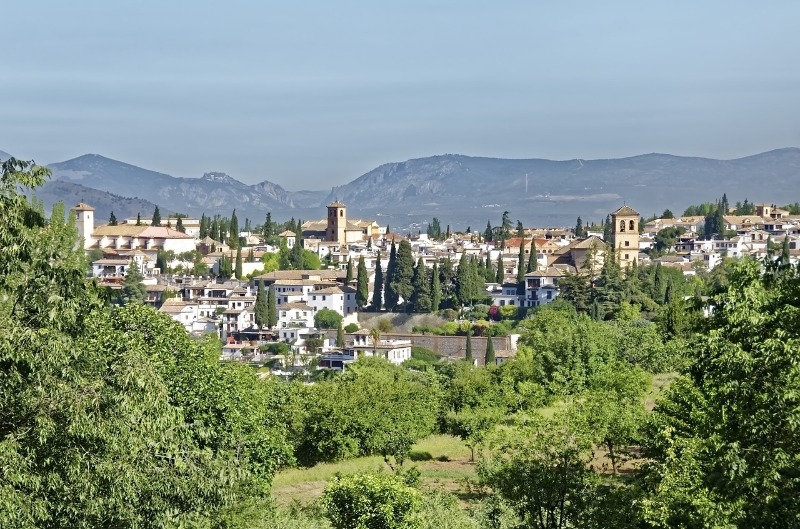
x: 460, y: 190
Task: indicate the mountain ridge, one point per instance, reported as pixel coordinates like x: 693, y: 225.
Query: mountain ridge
x: 464, y: 190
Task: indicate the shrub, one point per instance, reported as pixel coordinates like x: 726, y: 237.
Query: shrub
x: 351, y: 327
x: 371, y: 501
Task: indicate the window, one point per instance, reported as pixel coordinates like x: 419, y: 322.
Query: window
x: 341, y: 213
x: 626, y: 256
x: 622, y: 226
x: 631, y: 226
x: 627, y: 243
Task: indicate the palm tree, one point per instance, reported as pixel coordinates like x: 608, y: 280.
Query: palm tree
x: 375, y: 334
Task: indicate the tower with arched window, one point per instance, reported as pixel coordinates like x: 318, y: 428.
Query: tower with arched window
x: 625, y: 235
x: 337, y: 222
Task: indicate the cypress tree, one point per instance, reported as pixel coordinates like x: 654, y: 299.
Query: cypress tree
x: 233, y: 230
x: 489, y: 359
x: 390, y: 296
x: 203, y: 226
x: 420, y: 297
x: 403, y: 271
x: 340, y: 336
x: 521, y: 268
x: 238, y: 262
x: 487, y: 235
x: 533, y: 264
x: 463, y: 281
x: 607, y: 229
x: 112, y: 220
x: 579, y: 228
x: 436, y: 291
x: 377, y: 290
x: 785, y: 251
x: 250, y: 257
x: 138, y: 219
x: 261, y: 307
x: 272, y: 308
x: 179, y: 225
x: 500, y: 273
x: 362, y: 284
x: 349, y: 273
x: 468, y: 355
x: 156, y: 217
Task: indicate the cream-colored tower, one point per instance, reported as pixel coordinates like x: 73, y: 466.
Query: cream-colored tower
x: 337, y: 222
x: 84, y: 222
x: 625, y: 235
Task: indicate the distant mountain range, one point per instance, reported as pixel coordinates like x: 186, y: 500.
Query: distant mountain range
x: 459, y: 190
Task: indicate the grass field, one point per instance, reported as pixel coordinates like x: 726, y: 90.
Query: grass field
x: 443, y: 461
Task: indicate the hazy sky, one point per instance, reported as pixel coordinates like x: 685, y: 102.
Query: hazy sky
x: 313, y: 94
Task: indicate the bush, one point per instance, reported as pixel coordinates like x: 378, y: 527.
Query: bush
x: 426, y: 355
x: 371, y: 501
x: 351, y: 327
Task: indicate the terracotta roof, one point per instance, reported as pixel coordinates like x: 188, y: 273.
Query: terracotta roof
x: 287, y: 233
x: 625, y: 211
x: 82, y: 207
x: 589, y: 242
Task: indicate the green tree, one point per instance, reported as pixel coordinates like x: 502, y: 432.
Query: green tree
x: 179, y: 225
x: 489, y: 358
x: 501, y: 270
x: 488, y: 233
x: 371, y: 501
x: 362, y: 284
x: 156, y: 217
x: 468, y: 354
x: 472, y: 425
x: 521, y: 268
x: 533, y: 264
x: 391, y: 297
x: 377, y: 291
x: 272, y: 308
x: 133, y: 290
x: 233, y: 230
x: 239, y: 273
x: 348, y: 277
x: 327, y: 319
x: 420, y: 296
x: 340, y: 336
x: 138, y: 219
x: 403, y: 272
x: 112, y: 221
x: 436, y: 290
x: 541, y: 470
x: 261, y: 307
x: 579, y: 228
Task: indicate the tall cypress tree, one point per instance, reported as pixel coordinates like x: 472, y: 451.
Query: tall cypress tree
x: 362, y: 284
x: 390, y: 296
x: 233, y: 227
x: 489, y: 358
x: 272, y: 308
x: 349, y: 272
x: 261, y: 307
x: 239, y: 263
x: 420, y: 297
x: 487, y: 235
x: 488, y: 271
x: 533, y: 264
x: 138, y: 219
x: 468, y: 355
x: 579, y: 228
x: 501, y: 273
x: 463, y: 279
x: 608, y: 229
x: 112, y: 220
x: 339, y: 336
x: 403, y: 271
x: 156, y: 217
x: 436, y: 291
x: 521, y: 268
x: 203, y: 226
x: 377, y: 291
x: 179, y: 225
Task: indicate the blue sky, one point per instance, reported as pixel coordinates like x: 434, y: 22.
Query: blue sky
x: 313, y: 94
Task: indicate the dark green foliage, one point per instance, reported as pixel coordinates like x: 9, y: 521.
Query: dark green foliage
x: 468, y: 353
x: 238, y: 270
x: 533, y: 264
x: 362, y: 284
x: 327, y: 319
x: 371, y: 501
x: 435, y: 291
x: 403, y: 272
x: 579, y: 228
x: 488, y: 360
x: 391, y: 296
x: 420, y: 296
x: 233, y: 231
x: 272, y: 308
x: 179, y: 225
x: 133, y: 290
x: 377, y: 290
x: 156, y: 221
x: 348, y: 276
x: 112, y: 221
x: 261, y: 307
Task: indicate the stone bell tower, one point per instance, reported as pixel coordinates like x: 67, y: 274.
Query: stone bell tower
x: 625, y: 235
x: 337, y: 222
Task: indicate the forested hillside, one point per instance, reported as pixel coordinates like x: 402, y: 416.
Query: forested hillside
x: 112, y: 416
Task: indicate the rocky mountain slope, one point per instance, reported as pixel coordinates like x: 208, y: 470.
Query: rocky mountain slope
x: 460, y: 190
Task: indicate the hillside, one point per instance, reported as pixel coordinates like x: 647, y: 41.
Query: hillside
x: 214, y: 192
x: 104, y: 203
